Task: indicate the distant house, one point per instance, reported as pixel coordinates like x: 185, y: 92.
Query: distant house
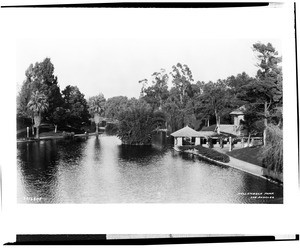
x: 238, y: 115
x: 225, y: 129
x: 235, y: 129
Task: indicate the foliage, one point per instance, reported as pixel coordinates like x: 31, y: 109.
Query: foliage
x: 67, y: 135
x: 157, y: 92
x: 235, y: 87
x: 111, y: 129
x: 114, y: 106
x: 182, y: 79
x: 159, y: 119
x: 40, y: 77
x: 60, y: 117
x: 207, y: 152
x: 212, y: 154
x: 215, y: 99
x: 253, y: 121
x: 75, y: 111
x: 37, y: 105
x: 136, y: 123
x: 266, y: 88
x: 96, y: 104
x: 174, y: 114
x: 186, y: 147
x: 273, y: 151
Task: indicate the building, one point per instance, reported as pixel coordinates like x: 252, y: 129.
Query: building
x: 186, y: 136
x: 233, y: 130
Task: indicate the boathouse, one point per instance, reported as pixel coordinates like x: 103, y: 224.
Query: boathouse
x: 186, y: 136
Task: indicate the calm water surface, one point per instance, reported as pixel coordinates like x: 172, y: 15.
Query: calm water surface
x: 103, y: 171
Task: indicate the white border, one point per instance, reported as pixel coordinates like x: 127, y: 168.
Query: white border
x: 252, y: 23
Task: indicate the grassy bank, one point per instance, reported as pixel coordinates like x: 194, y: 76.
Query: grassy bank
x: 207, y: 152
x: 251, y: 155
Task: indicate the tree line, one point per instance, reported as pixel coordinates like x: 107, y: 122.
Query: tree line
x: 199, y: 103
x: 186, y: 102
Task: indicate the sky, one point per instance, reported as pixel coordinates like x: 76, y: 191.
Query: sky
x: 109, y: 51
x: 114, y: 66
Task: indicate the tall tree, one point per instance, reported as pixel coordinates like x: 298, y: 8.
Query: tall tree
x: 214, y: 100
x: 114, y: 106
x: 156, y: 92
x: 75, y: 106
x: 235, y: 86
x: 40, y: 77
x: 37, y: 105
x: 265, y: 92
x: 96, y: 108
x: 173, y: 110
x: 182, y: 78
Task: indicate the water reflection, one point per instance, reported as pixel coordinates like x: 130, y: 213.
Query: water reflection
x: 39, y: 168
x: 104, y: 171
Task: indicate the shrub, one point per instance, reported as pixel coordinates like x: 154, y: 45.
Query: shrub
x: 67, y: 135
x: 136, y: 123
x: 186, y: 147
x: 212, y: 154
x: 111, y: 129
x: 273, y: 151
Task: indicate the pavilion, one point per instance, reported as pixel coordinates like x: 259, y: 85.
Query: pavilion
x: 186, y: 134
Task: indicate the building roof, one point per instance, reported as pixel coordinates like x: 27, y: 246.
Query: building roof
x: 239, y: 111
x: 186, y: 132
x: 209, y: 128
x: 228, y: 129
x: 224, y: 128
x: 207, y: 133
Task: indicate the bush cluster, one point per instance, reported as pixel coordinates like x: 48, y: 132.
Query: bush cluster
x: 68, y: 135
x: 273, y: 151
x: 207, y: 152
x: 111, y: 129
x: 186, y: 147
x: 210, y: 153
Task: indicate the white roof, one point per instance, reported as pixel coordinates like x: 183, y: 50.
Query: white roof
x: 186, y: 132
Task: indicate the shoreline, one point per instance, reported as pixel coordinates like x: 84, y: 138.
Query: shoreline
x: 252, y: 169
x: 247, y: 167
x: 54, y: 137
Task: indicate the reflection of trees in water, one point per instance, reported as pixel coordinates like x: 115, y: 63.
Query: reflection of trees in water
x: 97, y: 149
x: 71, y: 150
x: 38, y: 162
x: 139, y: 153
x: 38, y: 165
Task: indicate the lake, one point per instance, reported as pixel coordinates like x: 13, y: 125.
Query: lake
x: 102, y: 170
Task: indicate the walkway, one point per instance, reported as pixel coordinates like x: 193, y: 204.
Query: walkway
x: 235, y: 163
x: 240, y: 164
x: 245, y: 166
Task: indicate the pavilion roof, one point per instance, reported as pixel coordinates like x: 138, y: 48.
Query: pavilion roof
x: 186, y: 132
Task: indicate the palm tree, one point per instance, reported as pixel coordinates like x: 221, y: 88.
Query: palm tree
x: 37, y: 105
x: 96, y: 108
